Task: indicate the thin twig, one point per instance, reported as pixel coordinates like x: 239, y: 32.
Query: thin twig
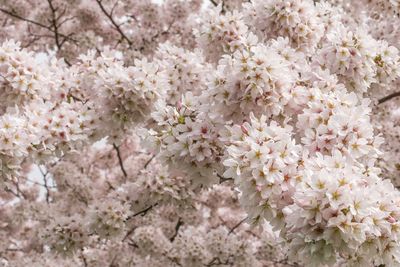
x: 83, y: 259
x: 129, y: 233
x: 116, y: 26
x: 12, y: 192
x: 177, y: 226
x: 35, y: 183
x: 236, y: 226
x: 113, y: 8
x: 148, y: 162
x: 142, y: 212
x: 19, y: 190
x: 44, y: 174
x: 214, y: 3
x: 223, y: 179
x: 54, y: 23
x: 217, y: 261
x: 55, y: 26
x: 121, y: 163
x: 387, y: 98
x: 49, y: 28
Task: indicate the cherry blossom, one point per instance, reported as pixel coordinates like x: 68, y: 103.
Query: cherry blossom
x: 199, y: 133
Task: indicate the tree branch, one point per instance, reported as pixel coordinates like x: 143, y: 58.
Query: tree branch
x: 142, y: 212
x: 223, y: 179
x: 121, y: 163
x: 83, y: 259
x: 16, y: 194
x: 129, y: 233
x: 116, y: 26
x: 237, y: 225
x: 387, y: 98
x: 214, y: 3
x: 177, y: 226
x: 44, y: 174
x: 148, y: 162
x: 55, y: 26
x: 41, y: 25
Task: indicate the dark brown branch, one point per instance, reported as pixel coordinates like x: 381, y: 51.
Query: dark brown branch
x: 55, y: 26
x: 12, y: 14
x: 5, y: 22
x: 44, y: 174
x: 19, y: 191
x: 214, y: 3
x: 217, y: 261
x: 142, y: 212
x: 68, y: 36
x: 8, y: 190
x: 148, y: 162
x: 35, y: 183
x: 113, y: 8
x: 129, y: 233
x: 121, y: 163
x: 83, y: 259
x: 236, y: 226
x: 62, y: 13
x: 116, y: 26
x: 49, y: 28
x: 223, y: 179
x: 177, y: 226
x: 51, y: 36
x: 387, y: 98
x: 134, y: 18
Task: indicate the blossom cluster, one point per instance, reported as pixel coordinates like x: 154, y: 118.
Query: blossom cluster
x: 187, y: 139
x: 183, y: 70
x: 338, y: 121
x: 358, y: 59
x: 324, y: 206
x: 125, y: 96
x: 222, y: 33
x: 199, y: 133
x: 294, y: 19
x: 265, y: 160
x: 39, y: 119
x: 257, y: 79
